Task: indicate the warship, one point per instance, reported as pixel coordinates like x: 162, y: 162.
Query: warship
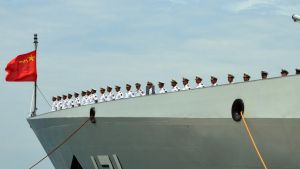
x: 194, y: 129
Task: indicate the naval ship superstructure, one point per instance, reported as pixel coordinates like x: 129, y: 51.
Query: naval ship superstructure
x: 194, y: 129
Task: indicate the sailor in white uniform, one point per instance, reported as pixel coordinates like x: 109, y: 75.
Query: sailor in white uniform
x: 199, y: 82
x: 213, y: 81
x: 89, y: 97
x: 64, y: 102
x: 129, y: 93
x: 110, y: 95
x: 84, y: 99
x: 54, y: 103
x: 102, y: 97
x: 139, y: 91
x: 161, y: 88
x: 119, y: 95
x: 59, y: 103
x: 174, y: 86
x: 70, y: 102
x: 94, y: 96
x: 230, y: 78
x: 185, y: 83
x: 150, y: 88
x: 77, y: 100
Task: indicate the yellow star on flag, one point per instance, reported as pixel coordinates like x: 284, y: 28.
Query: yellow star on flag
x: 30, y: 58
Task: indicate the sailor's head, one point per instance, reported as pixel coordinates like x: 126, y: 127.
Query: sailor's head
x: 58, y: 98
x: 64, y: 97
x: 108, y: 88
x: 213, y: 80
x: 117, y: 88
x: 297, y: 71
x: 93, y: 91
x: 102, y: 90
x: 264, y: 75
x: 69, y: 96
x: 53, y: 98
x: 83, y: 93
x: 161, y: 84
x: 246, y: 77
x: 137, y: 86
x: 284, y: 73
x: 149, y: 84
x: 230, y: 78
x: 173, y: 83
x: 128, y: 87
x: 185, y: 81
x: 76, y: 94
x: 198, y: 79
x: 88, y: 92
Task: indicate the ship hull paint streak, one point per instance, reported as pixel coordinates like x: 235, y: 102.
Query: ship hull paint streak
x: 190, y: 129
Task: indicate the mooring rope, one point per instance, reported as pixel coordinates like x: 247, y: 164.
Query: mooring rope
x: 253, y: 142
x: 61, y: 144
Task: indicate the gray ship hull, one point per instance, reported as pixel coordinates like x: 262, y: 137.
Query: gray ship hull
x: 190, y: 129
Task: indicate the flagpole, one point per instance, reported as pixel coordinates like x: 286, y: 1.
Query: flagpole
x: 35, y: 83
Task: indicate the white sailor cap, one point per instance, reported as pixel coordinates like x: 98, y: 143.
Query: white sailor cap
x: 213, y: 78
x: 198, y: 78
x: 173, y: 81
x: 185, y: 79
x: 230, y: 76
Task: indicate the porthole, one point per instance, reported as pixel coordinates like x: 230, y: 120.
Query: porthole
x: 236, y: 109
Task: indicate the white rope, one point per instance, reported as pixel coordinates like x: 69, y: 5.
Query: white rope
x: 43, y: 96
x: 32, y: 97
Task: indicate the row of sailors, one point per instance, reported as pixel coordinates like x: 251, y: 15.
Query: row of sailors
x: 90, y: 97
x: 106, y: 95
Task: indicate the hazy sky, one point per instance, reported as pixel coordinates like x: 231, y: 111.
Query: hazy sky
x: 85, y: 44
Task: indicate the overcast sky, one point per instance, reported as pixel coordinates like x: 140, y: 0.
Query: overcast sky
x: 85, y: 44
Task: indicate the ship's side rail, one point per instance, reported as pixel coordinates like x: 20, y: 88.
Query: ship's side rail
x: 259, y: 97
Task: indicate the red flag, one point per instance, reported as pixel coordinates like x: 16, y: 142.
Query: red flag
x: 22, y: 68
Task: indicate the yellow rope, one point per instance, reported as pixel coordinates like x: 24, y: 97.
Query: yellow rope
x: 253, y: 142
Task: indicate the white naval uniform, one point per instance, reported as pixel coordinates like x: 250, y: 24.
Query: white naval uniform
x: 84, y: 101
x: 102, y: 98
x: 90, y: 99
x: 119, y: 95
x: 129, y: 94
x: 64, y: 104
x: 199, y: 85
x: 175, y: 89
x: 76, y: 102
x: 139, y: 92
x: 95, y: 98
x: 186, y: 87
x: 162, y: 90
x: 214, y: 84
x: 110, y: 96
x: 151, y: 91
x: 58, y: 105
x: 87, y: 101
x: 53, y: 107
x: 70, y: 103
